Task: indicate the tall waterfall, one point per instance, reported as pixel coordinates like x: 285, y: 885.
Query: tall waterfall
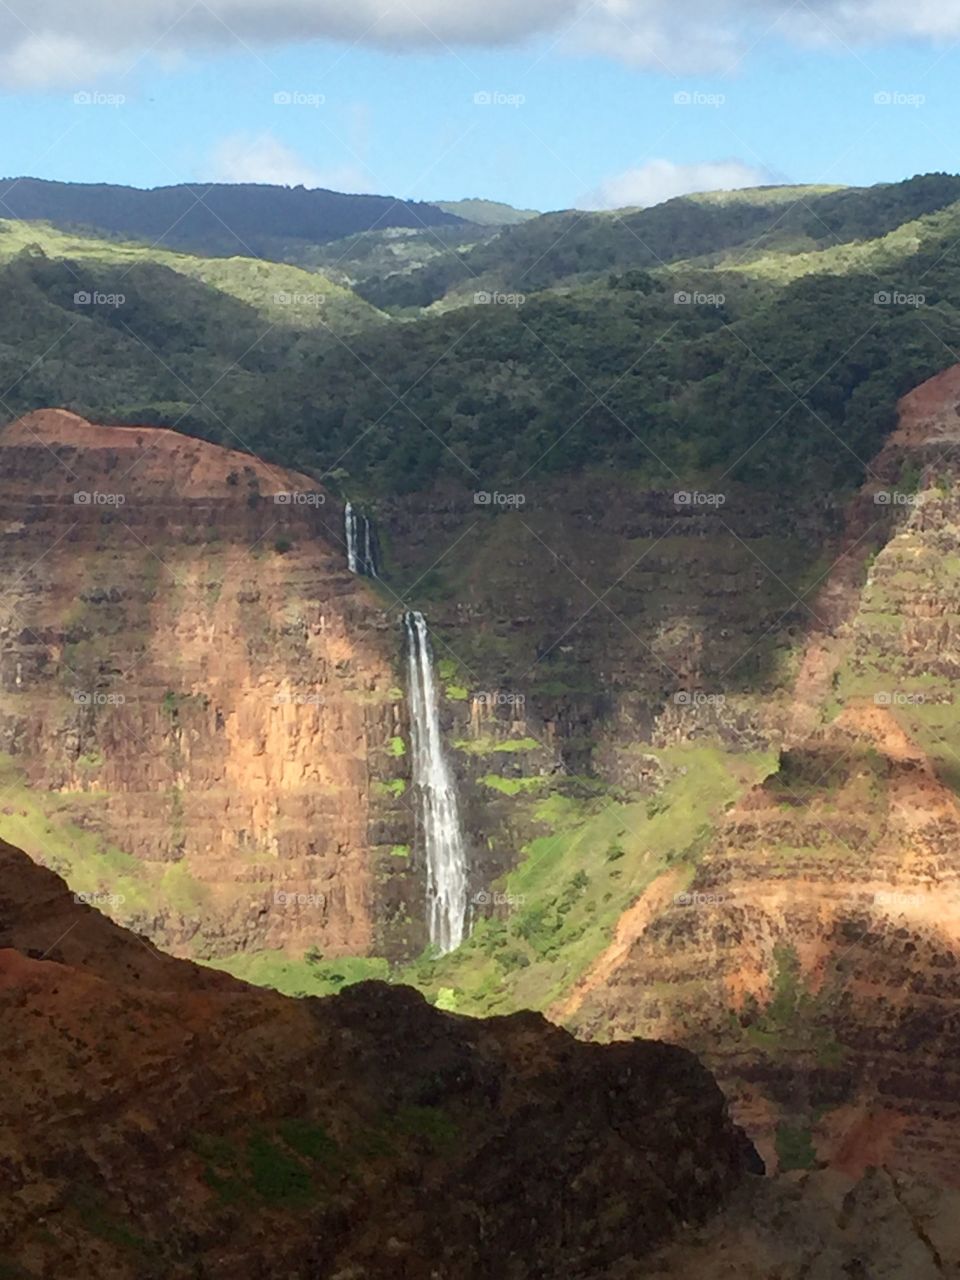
x: 446, y: 855
x: 361, y: 542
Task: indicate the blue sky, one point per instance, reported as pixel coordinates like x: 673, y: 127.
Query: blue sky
x: 571, y: 122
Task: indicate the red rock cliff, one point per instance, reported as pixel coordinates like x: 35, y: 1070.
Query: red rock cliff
x: 189, y: 671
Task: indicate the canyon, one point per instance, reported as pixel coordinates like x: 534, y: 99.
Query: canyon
x: 704, y: 752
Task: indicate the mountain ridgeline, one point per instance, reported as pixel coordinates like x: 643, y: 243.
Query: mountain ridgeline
x: 678, y: 340
x: 214, y: 218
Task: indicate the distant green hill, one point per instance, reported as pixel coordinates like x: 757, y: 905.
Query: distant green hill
x: 287, y: 295
x: 754, y: 335
x: 487, y: 213
x: 373, y: 255
x: 570, y: 248
x: 252, y: 219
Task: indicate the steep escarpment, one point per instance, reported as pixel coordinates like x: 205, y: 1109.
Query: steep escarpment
x: 163, y: 1121
x: 814, y: 953
x: 194, y: 688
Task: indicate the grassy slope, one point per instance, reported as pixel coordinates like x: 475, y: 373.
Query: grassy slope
x: 312, y: 299
x: 42, y: 825
x: 487, y: 213
x: 597, y: 854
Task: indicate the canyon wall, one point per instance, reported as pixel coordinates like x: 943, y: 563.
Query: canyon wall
x: 189, y: 673
x: 814, y: 952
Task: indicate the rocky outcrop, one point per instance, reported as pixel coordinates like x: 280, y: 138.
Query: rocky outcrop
x: 163, y: 1121
x: 190, y: 672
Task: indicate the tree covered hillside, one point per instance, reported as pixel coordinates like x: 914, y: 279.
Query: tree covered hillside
x: 690, y: 371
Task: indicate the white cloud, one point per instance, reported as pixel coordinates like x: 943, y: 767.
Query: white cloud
x: 262, y: 157
x: 63, y: 42
x: 660, y: 180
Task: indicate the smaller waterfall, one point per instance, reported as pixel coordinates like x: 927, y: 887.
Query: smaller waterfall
x: 350, y: 529
x: 369, y: 549
x: 361, y: 542
x: 446, y: 854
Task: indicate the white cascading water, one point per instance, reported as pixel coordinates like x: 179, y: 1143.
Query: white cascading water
x: 446, y: 854
x: 361, y: 551
x: 369, y: 559
x: 350, y: 530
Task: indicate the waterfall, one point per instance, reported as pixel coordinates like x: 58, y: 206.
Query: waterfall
x: 361, y: 543
x: 446, y: 855
x: 350, y: 528
x: 369, y: 556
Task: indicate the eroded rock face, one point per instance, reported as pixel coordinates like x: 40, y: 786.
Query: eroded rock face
x: 814, y: 955
x: 160, y: 1121
x: 188, y: 666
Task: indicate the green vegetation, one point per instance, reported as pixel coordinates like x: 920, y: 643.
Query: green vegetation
x: 284, y: 1168
x: 60, y: 830
x: 102, y: 1221
x: 430, y: 1123
x: 567, y: 893
x: 795, y: 1149
x: 513, y: 786
x: 261, y: 220
x: 795, y: 1021
x: 487, y: 213
x: 396, y: 787
x: 288, y: 295
x: 301, y: 977
x: 597, y: 301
